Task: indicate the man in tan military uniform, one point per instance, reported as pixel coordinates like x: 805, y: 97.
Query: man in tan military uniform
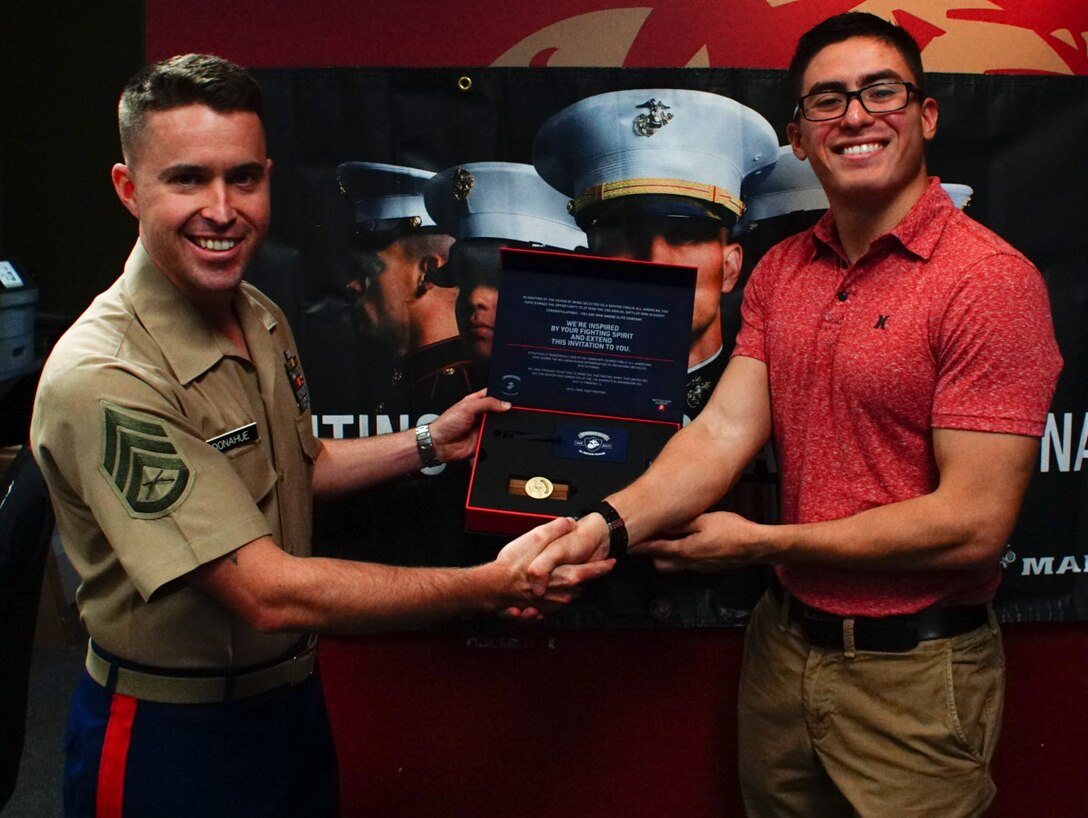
x: 173, y: 429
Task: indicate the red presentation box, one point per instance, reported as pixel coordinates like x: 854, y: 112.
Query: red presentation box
x: 525, y: 444
x: 592, y: 353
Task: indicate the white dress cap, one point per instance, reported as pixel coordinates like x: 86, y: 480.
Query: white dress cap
x: 382, y: 195
x: 658, y: 141
x: 501, y: 200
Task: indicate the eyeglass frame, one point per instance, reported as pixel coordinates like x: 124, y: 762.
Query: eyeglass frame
x: 799, y: 110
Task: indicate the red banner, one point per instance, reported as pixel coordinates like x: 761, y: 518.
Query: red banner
x: 968, y: 36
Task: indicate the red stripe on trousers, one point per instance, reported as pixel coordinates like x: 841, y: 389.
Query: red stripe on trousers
x: 111, y: 768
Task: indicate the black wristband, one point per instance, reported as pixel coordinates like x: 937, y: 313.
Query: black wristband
x: 617, y: 530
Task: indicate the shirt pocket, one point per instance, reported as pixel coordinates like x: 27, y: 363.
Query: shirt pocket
x: 253, y: 465
x: 310, y: 444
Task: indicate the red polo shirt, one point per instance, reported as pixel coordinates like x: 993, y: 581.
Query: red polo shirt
x: 941, y: 324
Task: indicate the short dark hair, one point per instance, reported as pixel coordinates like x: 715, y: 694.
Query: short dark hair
x: 416, y: 246
x: 184, y: 80
x: 846, y: 26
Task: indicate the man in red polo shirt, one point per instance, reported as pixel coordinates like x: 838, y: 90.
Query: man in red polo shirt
x: 903, y: 357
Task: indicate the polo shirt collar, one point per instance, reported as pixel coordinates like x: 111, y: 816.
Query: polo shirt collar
x: 189, y: 344
x: 918, y: 232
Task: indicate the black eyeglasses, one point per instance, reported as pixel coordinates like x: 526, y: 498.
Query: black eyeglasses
x: 878, y: 98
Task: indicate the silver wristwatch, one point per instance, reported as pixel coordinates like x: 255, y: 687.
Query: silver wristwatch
x: 425, y: 446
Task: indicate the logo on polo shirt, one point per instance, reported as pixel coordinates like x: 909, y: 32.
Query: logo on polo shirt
x: 881, y: 322
x: 143, y: 466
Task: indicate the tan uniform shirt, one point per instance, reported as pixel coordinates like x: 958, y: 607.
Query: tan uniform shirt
x: 164, y: 449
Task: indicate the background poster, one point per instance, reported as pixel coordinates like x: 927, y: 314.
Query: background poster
x: 1014, y: 139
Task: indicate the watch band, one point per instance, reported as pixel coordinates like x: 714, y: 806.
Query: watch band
x: 425, y: 446
x: 617, y: 529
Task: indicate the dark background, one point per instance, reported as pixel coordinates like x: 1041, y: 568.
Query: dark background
x: 62, y: 66
x: 1015, y: 139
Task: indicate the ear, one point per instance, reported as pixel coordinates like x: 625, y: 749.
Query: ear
x: 929, y: 118
x: 125, y: 185
x: 793, y: 134
x: 732, y: 259
x: 427, y: 265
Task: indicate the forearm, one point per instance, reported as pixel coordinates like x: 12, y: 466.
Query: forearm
x: 275, y: 591
x: 703, y: 460
x: 963, y: 524
x: 332, y: 596
x: 350, y: 465
x: 692, y: 472
x: 924, y: 533
x: 698, y: 466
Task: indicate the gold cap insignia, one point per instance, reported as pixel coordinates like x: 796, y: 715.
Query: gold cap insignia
x: 462, y: 185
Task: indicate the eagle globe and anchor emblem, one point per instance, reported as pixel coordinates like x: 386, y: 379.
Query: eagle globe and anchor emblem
x: 655, y: 118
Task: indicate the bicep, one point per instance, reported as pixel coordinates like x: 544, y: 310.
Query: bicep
x: 983, y: 476
x: 739, y: 411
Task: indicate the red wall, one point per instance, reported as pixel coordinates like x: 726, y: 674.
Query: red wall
x: 630, y: 723
x: 1036, y: 36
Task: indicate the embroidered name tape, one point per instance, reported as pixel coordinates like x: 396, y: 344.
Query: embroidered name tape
x: 242, y: 436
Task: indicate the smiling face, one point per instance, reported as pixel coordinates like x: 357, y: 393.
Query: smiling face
x: 198, y: 184
x: 875, y: 161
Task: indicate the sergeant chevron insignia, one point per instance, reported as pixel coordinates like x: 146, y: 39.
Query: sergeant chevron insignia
x: 145, y: 470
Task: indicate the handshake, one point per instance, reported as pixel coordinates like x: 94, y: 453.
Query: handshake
x: 547, y: 565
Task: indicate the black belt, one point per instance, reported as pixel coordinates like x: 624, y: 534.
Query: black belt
x: 898, y: 633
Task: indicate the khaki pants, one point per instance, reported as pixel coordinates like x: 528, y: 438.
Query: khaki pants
x: 878, y: 735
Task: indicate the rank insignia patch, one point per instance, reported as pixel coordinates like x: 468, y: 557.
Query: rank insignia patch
x: 144, y: 468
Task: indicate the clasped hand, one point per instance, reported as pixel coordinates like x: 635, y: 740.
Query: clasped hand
x: 711, y: 542
x: 536, y: 590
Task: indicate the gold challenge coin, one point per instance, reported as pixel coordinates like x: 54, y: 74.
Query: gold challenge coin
x: 539, y: 488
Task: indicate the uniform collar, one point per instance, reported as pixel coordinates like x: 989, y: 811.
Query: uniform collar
x: 918, y: 232
x: 190, y: 346
x: 434, y: 357
x: 707, y: 362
